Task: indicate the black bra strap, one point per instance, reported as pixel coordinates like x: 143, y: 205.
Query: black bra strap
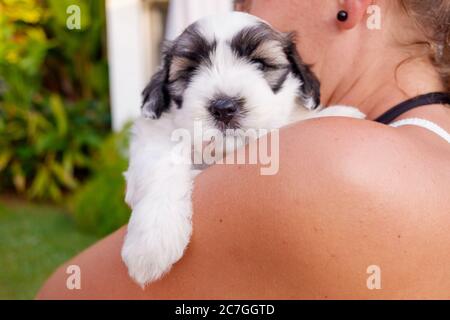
x: 423, y: 100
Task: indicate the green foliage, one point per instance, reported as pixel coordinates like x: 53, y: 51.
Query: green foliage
x: 53, y: 95
x: 99, y: 207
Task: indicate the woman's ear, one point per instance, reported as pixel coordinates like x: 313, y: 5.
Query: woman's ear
x: 156, y: 95
x: 356, y: 12
x: 309, y: 91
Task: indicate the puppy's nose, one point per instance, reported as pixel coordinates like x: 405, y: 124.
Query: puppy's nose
x: 224, y: 109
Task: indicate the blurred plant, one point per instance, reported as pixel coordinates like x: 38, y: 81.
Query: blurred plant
x: 98, y: 206
x: 53, y: 95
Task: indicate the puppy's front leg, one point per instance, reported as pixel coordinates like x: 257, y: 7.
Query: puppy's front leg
x: 159, y: 192
x: 160, y: 225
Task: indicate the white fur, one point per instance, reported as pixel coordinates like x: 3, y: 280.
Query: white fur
x: 158, y: 187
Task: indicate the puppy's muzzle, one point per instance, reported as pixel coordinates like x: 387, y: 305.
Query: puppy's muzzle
x: 225, y: 109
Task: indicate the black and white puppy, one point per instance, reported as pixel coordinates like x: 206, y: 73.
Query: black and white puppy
x: 230, y: 72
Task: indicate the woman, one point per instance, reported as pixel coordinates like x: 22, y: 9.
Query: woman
x: 351, y: 196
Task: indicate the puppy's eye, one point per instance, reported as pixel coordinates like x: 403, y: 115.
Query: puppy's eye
x: 261, y: 64
x: 190, y: 69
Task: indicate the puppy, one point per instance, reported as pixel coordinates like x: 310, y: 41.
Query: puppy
x: 229, y: 72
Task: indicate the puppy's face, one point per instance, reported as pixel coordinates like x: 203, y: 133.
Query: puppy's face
x: 232, y: 71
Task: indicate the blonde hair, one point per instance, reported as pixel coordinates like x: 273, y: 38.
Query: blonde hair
x: 433, y: 18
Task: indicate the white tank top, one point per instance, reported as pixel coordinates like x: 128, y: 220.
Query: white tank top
x: 426, y: 124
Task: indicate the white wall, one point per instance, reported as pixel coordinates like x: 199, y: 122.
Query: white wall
x: 127, y: 51
x: 184, y: 12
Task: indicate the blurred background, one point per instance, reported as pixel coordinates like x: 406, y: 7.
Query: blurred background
x: 71, y: 74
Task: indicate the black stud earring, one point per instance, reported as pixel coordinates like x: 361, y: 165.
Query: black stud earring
x: 342, y: 16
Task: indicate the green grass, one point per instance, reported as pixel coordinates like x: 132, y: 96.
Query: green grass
x: 34, y: 241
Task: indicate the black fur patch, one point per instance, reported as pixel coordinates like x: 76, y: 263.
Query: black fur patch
x: 279, y: 83
x: 247, y: 41
x: 245, y: 45
x: 168, y: 85
x: 311, y: 85
x: 156, y: 96
x: 192, y: 46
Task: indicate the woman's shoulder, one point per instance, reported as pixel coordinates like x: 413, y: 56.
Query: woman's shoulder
x: 342, y: 200
x: 346, y: 137
x: 351, y: 150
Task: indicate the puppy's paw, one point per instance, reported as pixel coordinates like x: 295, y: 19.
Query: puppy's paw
x: 149, y: 253
x: 149, y: 257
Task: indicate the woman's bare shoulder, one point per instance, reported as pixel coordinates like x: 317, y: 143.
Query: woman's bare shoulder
x: 309, y: 231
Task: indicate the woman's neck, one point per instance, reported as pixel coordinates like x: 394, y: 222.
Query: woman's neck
x: 383, y: 84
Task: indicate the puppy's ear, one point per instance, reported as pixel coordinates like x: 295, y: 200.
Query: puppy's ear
x: 156, y: 95
x: 309, y: 92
